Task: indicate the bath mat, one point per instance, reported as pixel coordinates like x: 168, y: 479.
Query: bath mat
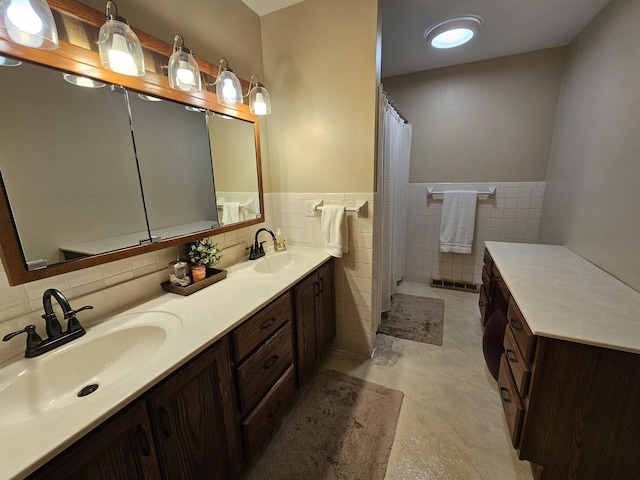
x: 341, y: 428
x: 414, y: 318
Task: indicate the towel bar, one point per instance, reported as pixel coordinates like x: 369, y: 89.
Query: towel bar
x: 360, y: 208
x: 482, y: 194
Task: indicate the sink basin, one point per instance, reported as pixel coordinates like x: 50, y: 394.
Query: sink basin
x: 277, y: 262
x: 104, y: 355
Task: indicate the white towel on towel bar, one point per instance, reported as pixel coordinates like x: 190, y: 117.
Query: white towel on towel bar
x: 335, y: 230
x: 230, y: 212
x: 458, y: 221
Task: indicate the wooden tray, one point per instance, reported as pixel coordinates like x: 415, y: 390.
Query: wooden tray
x: 213, y: 275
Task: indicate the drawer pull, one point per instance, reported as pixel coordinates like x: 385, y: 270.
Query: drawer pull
x: 272, y: 361
x: 143, y: 440
x: 165, y: 424
x: 481, y: 303
x: 322, y: 285
x: 504, y: 393
x: 268, y: 323
x: 515, y: 324
x: 271, y: 415
x: 511, y: 356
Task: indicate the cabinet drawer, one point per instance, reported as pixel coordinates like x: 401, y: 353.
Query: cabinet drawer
x: 486, y: 277
x: 487, y: 259
x: 483, y: 302
x: 260, y: 327
x: 522, y: 334
x: 257, y: 427
x: 519, y: 368
x: 511, y: 403
x: 261, y: 370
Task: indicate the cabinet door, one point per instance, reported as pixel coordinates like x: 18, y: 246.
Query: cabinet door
x: 326, y: 307
x: 305, y: 297
x: 192, y: 413
x: 119, y: 449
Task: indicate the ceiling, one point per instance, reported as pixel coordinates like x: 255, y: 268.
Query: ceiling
x: 509, y: 27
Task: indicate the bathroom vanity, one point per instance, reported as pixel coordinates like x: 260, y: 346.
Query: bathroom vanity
x: 203, y: 402
x: 569, y: 377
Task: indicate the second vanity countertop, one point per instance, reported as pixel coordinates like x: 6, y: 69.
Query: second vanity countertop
x: 561, y: 295
x: 205, y: 316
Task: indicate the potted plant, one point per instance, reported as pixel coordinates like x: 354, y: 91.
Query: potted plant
x: 203, y: 254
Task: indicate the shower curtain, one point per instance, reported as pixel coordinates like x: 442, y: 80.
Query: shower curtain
x: 394, y: 151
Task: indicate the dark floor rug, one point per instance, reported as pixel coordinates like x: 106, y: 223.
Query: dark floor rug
x: 414, y: 318
x: 342, y: 428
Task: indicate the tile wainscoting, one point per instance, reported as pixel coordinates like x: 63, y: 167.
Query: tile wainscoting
x: 513, y: 215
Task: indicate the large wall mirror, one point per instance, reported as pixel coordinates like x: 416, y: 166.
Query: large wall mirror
x: 91, y: 175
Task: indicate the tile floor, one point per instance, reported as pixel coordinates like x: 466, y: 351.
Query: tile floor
x: 451, y: 425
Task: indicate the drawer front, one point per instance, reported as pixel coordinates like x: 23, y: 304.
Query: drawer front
x: 511, y: 403
x: 519, y: 368
x: 483, y: 302
x: 487, y: 259
x: 260, y: 371
x: 261, y: 326
x: 522, y: 334
x: 486, y: 277
x: 257, y: 427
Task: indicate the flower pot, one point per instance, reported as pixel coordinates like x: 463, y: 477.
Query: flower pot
x: 198, y: 272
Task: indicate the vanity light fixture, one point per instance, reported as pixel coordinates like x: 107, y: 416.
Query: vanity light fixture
x: 9, y: 62
x: 184, y: 73
x: 120, y: 49
x: 81, y: 81
x: 29, y: 23
x: 227, y: 85
x: 259, y: 101
x: 453, y: 32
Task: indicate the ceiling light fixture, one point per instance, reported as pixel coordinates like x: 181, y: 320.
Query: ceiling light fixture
x: 184, y: 73
x: 120, y: 49
x: 453, y: 32
x: 259, y: 101
x: 29, y: 23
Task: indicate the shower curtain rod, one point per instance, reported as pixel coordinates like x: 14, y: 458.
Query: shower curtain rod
x: 394, y: 106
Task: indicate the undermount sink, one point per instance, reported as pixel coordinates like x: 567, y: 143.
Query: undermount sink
x: 106, y: 354
x: 276, y: 262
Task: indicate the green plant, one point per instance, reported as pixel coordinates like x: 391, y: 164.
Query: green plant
x: 204, y: 252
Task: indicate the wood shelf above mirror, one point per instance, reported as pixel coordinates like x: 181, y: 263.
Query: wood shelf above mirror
x: 137, y: 152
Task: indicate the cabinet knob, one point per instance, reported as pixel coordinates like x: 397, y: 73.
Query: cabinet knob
x: 511, y: 356
x: 143, y: 441
x: 165, y: 423
x: 270, y: 415
x: 271, y: 362
x: 268, y: 323
x: 504, y: 393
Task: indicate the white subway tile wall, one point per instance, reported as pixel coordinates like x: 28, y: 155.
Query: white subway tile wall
x: 513, y: 215
x: 354, y: 271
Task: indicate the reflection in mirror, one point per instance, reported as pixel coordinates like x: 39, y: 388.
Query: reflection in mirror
x: 68, y: 166
x: 172, y: 146
x: 233, y: 152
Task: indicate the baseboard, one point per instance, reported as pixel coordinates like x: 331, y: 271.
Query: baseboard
x: 455, y: 285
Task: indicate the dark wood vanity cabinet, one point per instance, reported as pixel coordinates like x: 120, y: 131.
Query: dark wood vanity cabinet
x: 314, y: 300
x: 183, y: 428
x: 121, y: 448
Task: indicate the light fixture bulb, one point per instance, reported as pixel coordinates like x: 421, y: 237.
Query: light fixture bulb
x: 228, y: 90
x: 185, y: 75
x: 183, y: 70
x: 120, y: 60
x: 452, y: 32
x: 259, y: 107
x: 228, y: 87
x: 259, y: 101
x: 29, y: 23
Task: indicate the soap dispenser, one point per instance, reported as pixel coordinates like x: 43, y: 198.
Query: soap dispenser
x: 281, y: 243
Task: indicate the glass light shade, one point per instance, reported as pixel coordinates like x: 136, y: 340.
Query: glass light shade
x: 120, y: 49
x: 453, y: 32
x: 228, y: 88
x: 9, y: 62
x: 82, y: 81
x: 29, y: 23
x: 259, y: 101
x: 184, y: 73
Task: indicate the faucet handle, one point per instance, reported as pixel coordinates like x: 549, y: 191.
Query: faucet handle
x: 33, y: 339
x: 72, y: 313
x: 72, y: 322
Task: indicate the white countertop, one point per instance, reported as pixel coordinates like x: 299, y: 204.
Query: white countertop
x: 206, y: 316
x: 563, y: 296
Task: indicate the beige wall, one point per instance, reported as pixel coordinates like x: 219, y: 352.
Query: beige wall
x: 320, y: 65
x: 489, y: 121
x: 592, y: 199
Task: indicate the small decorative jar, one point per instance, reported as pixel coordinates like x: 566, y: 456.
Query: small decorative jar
x: 198, y: 272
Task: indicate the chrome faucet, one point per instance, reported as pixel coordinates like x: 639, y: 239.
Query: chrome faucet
x: 257, y: 250
x: 55, y: 336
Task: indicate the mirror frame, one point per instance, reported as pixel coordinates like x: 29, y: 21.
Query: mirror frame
x: 76, y: 59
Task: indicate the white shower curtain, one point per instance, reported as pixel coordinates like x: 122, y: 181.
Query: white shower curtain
x: 394, y: 151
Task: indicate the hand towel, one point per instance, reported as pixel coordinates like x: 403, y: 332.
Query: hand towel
x: 230, y: 212
x: 458, y: 221
x: 335, y: 230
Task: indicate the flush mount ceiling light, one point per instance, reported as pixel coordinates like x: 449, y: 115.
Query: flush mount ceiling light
x: 453, y: 32
x: 259, y: 101
x: 29, y: 23
x: 184, y: 73
x: 120, y: 49
x: 81, y: 81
